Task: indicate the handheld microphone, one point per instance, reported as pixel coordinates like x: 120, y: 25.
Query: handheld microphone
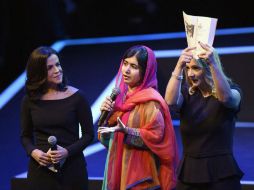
x: 105, y: 113
x: 52, y: 142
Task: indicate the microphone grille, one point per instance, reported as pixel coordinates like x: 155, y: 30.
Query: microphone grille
x: 52, y: 140
x: 116, y: 91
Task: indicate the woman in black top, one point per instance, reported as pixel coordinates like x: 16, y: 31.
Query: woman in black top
x: 51, y: 108
x: 208, y: 103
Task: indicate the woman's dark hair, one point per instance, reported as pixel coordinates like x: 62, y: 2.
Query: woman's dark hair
x: 141, y: 54
x: 36, y: 71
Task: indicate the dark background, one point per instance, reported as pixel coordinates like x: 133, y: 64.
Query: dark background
x: 26, y: 24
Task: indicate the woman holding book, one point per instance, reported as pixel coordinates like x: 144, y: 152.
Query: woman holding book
x: 207, y: 102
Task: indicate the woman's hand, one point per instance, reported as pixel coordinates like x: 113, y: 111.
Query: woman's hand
x: 57, y: 155
x: 119, y: 127
x: 41, y: 157
x: 185, y: 57
x: 107, y: 105
x: 210, y: 55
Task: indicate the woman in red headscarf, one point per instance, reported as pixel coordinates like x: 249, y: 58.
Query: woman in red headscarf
x: 142, y: 150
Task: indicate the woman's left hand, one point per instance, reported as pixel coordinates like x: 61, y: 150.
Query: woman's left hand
x: 210, y: 55
x: 58, y: 155
x: 119, y: 127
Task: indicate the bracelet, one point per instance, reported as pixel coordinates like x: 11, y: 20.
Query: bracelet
x: 177, y: 77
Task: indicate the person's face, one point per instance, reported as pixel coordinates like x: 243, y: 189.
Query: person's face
x: 195, y: 73
x: 131, y: 72
x: 55, y: 72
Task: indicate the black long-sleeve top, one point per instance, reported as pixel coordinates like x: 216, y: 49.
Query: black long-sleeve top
x: 207, y: 129
x: 60, y: 118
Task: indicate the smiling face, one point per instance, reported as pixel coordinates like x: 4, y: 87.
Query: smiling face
x: 131, y: 72
x: 195, y: 74
x: 55, y: 72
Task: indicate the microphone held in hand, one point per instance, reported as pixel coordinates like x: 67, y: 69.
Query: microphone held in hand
x: 105, y: 113
x: 52, y: 142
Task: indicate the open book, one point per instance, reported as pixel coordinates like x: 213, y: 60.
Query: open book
x: 199, y: 28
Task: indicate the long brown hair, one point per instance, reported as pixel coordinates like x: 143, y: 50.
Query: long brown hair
x: 36, y: 72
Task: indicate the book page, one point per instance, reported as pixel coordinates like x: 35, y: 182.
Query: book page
x: 199, y: 28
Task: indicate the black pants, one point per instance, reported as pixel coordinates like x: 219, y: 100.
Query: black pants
x: 232, y: 183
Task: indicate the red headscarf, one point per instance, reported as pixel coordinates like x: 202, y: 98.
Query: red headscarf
x: 150, y: 78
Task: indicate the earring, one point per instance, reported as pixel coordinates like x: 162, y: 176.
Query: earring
x: 191, y: 91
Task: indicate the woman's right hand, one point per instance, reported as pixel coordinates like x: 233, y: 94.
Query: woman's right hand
x: 41, y: 157
x: 107, y: 105
x: 185, y: 57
